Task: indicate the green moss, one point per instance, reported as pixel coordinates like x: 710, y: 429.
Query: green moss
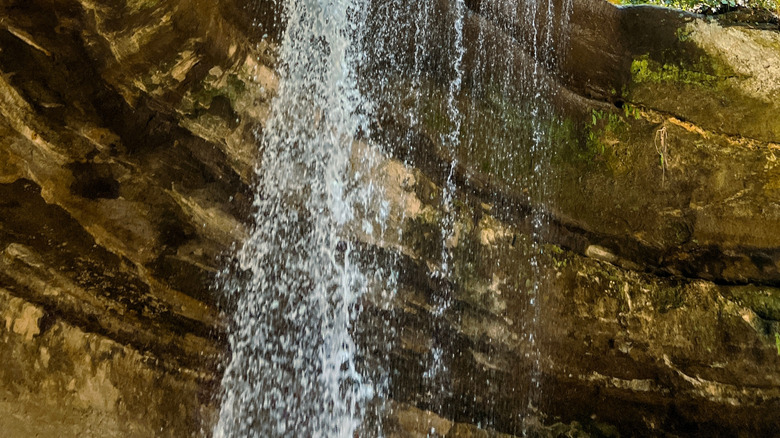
x: 232, y: 89
x: 460, y: 206
x: 235, y: 87
x: 601, y: 135
x: 702, y: 89
x: 764, y: 302
x: 683, y: 35
x: 554, y: 249
x: 559, y: 258
x: 645, y: 69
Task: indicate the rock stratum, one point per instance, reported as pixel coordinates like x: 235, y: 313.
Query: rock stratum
x: 127, y: 153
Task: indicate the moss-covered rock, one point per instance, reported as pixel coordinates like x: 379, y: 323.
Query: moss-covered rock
x: 727, y: 91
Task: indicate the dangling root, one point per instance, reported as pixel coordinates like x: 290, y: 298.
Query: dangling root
x: 660, y: 137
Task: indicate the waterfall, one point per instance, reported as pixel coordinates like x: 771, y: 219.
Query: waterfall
x: 436, y: 374
x: 296, y: 286
x: 292, y: 370
x: 539, y: 98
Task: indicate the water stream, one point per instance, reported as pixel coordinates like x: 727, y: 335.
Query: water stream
x: 296, y: 286
x: 292, y: 370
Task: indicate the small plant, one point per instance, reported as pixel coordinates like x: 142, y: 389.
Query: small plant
x: 708, y: 6
x: 683, y: 34
x: 777, y: 342
x: 631, y: 111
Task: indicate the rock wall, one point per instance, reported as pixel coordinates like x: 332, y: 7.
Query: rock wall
x: 127, y: 151
x: 124, y: 174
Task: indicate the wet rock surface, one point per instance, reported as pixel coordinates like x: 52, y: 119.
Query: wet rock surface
x: 127, y: 146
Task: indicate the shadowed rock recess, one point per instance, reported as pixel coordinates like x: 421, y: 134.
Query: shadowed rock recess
x: 127, y: 152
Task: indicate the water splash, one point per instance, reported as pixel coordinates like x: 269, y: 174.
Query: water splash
x: 292, y: 370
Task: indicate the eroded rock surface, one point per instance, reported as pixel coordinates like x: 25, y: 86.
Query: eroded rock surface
x: 124, y: 172
x: 127, y: 152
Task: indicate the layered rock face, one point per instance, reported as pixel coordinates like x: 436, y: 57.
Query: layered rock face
x: 125, y: 168
x: 127, y: 154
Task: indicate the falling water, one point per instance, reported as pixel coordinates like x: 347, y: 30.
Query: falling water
x: 436, y: 373
x: 292, y: 370
x: 523, y: 79
x: 542, y: 43
x: 295, y: 369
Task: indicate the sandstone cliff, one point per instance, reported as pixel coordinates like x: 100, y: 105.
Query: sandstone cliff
x: 127, y: 151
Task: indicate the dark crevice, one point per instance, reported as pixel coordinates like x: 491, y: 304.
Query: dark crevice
x: 63, y: 245
x: 145, y: 337
x: 93, y: 181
